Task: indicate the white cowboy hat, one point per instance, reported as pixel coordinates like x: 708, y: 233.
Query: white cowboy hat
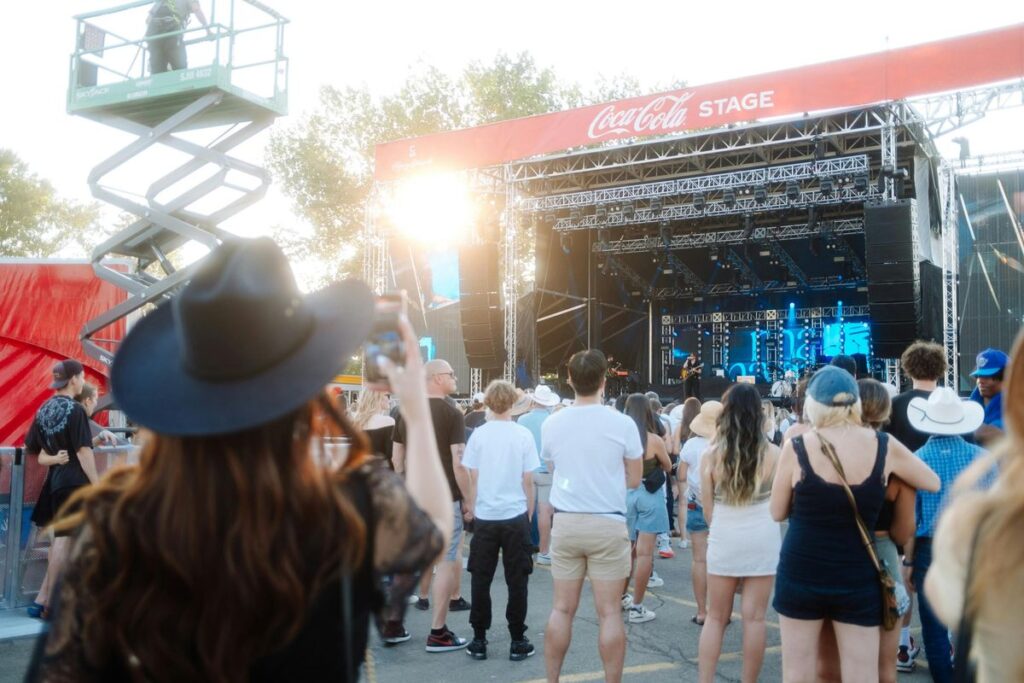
x: 943, y: 412
x: 522, y: 404
x: 706, y: 422
x: 545, y: 397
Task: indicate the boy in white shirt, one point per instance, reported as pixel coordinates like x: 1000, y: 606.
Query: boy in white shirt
x: 501, y: 457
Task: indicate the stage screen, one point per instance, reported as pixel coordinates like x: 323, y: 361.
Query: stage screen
x: 746, y: 348
x: 684, y: 342
x: 849, y: 338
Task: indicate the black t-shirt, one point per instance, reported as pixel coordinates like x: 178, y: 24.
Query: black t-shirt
x: 899, y: 426
x: 61, y: 425
x: 475, y: 419
x: 449, y: 429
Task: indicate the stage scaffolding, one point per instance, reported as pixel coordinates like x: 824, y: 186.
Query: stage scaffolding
x: 641, y: 184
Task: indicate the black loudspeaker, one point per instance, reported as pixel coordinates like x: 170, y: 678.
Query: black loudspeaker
x: 904, y: 294
x: 483, y: 318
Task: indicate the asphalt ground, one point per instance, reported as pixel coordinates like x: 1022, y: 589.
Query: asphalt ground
x: 661, y: 650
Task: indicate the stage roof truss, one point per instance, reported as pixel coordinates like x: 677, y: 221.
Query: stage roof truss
x: 795, y: 271
x: 763, y: 315
x: 700, y: 240
x: 945, y: 113
x: 748, y: 178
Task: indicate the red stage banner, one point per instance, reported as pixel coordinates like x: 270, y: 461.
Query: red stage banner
x: 941, y: 66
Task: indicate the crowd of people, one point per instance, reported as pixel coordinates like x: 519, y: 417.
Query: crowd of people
x: 235, y: 551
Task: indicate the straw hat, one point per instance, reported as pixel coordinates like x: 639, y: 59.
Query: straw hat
x: 945, y: 413
x: 522, y: 404
x: 706, y: 422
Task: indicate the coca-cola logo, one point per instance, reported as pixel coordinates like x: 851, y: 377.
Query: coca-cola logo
x: 662, y: 114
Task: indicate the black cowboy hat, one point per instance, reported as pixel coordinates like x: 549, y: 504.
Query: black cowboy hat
x: 239, y: 346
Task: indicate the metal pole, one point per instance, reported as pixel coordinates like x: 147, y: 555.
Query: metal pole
x: 12, y: 563
x: 650, y: 342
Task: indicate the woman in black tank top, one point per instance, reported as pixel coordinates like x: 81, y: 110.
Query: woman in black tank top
x: 824, y: 570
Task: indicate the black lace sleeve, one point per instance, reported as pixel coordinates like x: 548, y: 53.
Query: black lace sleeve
x: 405, y: 540
x: 68, y: 651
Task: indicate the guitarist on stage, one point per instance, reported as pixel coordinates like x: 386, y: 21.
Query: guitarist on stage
x: 691, y: 377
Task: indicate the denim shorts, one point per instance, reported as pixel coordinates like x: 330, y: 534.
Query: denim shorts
x: 695, y: 522
x: 453, y: 545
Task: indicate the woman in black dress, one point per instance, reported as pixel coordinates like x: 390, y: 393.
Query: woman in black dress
x: 373, y: 419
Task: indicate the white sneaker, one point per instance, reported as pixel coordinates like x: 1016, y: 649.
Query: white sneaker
x: 627, y: 601
x: 684, y: 543
x: 665, y: 548
x: 655, y: 581
x: 543, y: 559
x: 639, y: 614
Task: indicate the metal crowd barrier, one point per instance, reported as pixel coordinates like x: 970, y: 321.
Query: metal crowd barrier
x: 23, y: 547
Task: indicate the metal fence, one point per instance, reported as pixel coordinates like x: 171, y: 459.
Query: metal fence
x: 24, y: 548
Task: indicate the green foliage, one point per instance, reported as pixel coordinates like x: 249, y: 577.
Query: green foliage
x: 324, y: 161
x: 34, y: 220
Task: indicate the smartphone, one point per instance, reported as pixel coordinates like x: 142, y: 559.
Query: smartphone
x: 385, y: 341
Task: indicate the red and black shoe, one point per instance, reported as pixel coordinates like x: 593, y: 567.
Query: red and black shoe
x: 446, y: 641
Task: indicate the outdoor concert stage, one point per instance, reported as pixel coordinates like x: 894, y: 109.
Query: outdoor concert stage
x: 722, y: 220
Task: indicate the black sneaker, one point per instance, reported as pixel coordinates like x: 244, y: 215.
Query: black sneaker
x: 477, y: 648
x: 394, y: 633
x: 521, y: 649
x: 445, y: 642
x: 422, y: 604
x: 459, y: 605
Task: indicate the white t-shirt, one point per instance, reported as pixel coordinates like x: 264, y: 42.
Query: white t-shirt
x: 501, y: 452
x: 675, y: 416
x: 586, y: 446
x: 691, y: 454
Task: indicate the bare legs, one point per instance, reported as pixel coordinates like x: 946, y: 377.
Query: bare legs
x: 545, y: 512
x: 558, y: 634
x: 699, y: 572
x: 444, y: 584
x: 55, y: 562
x: 799, y: 649
x: 612, y: 633
x: 644, y: 565
x: 754, y: 605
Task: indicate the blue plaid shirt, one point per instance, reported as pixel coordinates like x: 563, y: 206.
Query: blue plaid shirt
x: 948, y: 456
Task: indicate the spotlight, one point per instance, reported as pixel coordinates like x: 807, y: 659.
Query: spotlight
x: 628, y: 211
x: 729, y: 197
x: 827, y: 186
x: 601, y: 213
x: 748, y: 227
x: 792, y: 192
x: 699, y: 202
x: 860, y: 183
x: 713, y: 254
x: 574, y: 214
x: 665, y: 233
x: 604, y: 236
x: 566, y: 242
x: 657, y: 204
x: 761, y: 194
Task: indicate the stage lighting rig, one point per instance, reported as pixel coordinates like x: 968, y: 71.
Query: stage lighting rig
x: 827, y: 186
x: 699, y: 201
x: 575, y: 214
x: 860, y: 183
x: 760, y: 194
x: 550, y: 218
x: 628, y: 211
x: 665, y: 232
x: 748, y: 227
x: 729, y: 197
x: 601, y: 213
x: 604, y: 236
x: 566, y: 243
x: 657, y: 204
x: 792, y: 192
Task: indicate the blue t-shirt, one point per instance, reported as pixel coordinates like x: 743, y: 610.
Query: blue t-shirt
x: 994, y: 409
x: 532, y: 421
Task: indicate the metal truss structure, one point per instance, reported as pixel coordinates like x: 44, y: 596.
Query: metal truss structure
x: 511, y: 279
x: 758, y: 177
x: 704, y: 239
x: 950, y: 111
x: 950, y: 276
x: 375, y: 258
x: 763, y: 315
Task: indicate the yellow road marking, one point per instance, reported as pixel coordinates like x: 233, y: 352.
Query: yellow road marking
x: 599, y: 675
x: 687, y: 603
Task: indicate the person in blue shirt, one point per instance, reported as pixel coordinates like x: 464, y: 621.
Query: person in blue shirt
x: 543, y: 401
x: 945, y: 417
x: 988, y: 373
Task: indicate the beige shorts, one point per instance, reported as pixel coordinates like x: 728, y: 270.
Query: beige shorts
x: 542, y: 485
x: 589, y: 545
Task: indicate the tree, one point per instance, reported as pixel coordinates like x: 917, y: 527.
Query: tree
x: 34, y: 220
x: 324, y: 161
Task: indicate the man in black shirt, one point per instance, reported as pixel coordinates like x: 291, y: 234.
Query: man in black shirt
x: 690, y: 375
x: 477, y: 416
x: 450, y: 432
x: 925, y: 364
x: 61, y: 424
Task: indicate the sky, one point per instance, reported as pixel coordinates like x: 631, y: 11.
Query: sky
x: 376, y: 44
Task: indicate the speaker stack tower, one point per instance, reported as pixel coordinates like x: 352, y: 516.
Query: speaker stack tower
x: 483, y: 321
x: 904, y: 291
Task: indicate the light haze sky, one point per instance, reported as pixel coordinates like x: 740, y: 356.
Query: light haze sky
x: 350, y: 42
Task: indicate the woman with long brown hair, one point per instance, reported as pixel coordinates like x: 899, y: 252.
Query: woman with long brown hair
x: 228, y: 553
x: 743, y: 540
x: 976, y: 579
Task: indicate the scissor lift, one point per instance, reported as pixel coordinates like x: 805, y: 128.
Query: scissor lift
x: 236, y: 79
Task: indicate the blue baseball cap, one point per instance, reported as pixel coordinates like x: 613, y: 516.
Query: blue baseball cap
x: 989, y: 362
x: 833, y: 386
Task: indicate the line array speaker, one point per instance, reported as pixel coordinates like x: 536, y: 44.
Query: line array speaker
x: 483, y: 318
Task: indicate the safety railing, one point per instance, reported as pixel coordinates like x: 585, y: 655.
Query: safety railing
x: 245, y: 38
x: 24, y: 548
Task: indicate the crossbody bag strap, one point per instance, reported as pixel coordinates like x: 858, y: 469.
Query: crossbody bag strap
x: 830, y: 452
